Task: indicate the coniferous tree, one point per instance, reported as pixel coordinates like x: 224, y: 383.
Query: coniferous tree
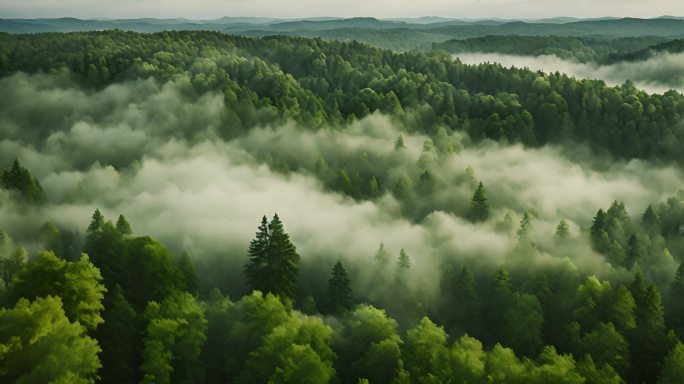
x: 648, y: 340
x: 256, y: 270
x: 651, y: 221
x: 188, y: 270
x: 12, y: 265
x: 479, y: 209
x: 673, y: 366
x: 123, y: 226
x: 381, y: 255
x: 283, y: 256
x: 273, y: 260
x: 404, y: 261
x: 19, y: 179
x: 675, y: 308
x: 562, y: 230
x: 339, y: 291
x: 525, y: 225
x: 633, y: 251
x: 97, y: 221
x: 119, y: 339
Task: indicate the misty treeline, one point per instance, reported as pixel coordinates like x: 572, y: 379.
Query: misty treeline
x: 582, y: 49
x: 437, y: 222
x: 127, y: 310
x: 320, y: 83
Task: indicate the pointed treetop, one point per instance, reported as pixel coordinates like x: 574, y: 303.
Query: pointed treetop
x: 404, y: 261
x: 651, y: 220
x: 97, y: 221
x: 525, y: 225
x: 123, y: 226
x: 479, y: 209
x: 273, y: 260
x: 339, y: 291
x: 381, y: 255
x: 562, y: 230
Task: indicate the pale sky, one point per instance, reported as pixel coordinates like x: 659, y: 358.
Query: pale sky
x: 210, y: 9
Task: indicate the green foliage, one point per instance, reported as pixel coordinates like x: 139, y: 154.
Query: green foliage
x: 273, y: 259
x: 141, y: 266
x: 673, y: 367
x: 525, y: 226
x: 19, y: 180
x: 277, y: 78
x: 339, y: 291
x: 562, y: 230
x: 97, y: 221
x: 582, y: 49
x: 250, y: 320
x: 479, y: 208
x: 11, y: 264
x: 38, y: 344
x: 187, y: 268
x: 298, y: 351
x: 122, y: 225
x: 119, y: 339
x: 404, y: 261
x: 176, y: 332
x: 159, y: 328
x: 368, y: 346
x: 78, y: 284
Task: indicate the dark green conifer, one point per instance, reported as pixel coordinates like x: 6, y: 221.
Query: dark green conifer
x: 479, y: 209
x: 339, y: 291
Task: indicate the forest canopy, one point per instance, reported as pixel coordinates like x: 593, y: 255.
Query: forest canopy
x: 422, y: 220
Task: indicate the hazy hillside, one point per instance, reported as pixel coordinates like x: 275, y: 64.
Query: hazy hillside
x: 193, y: 206
x: 394, y: 34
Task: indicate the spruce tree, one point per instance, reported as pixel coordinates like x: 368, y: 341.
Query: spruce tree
x: 381, y: 255
x: 339, y: 291
x: 479, y: 209
x: 257, y: 272
x: 19, y: 179
x: 562, y: 230
x: 650, y: 221
x: 283, y: 255
x: 273, y: 260
x: 648, y: 340
x: 404, y: 261
x: 525, y: 225
x: 123, y: 226
x: 633, y: 251
x: 97, y: 222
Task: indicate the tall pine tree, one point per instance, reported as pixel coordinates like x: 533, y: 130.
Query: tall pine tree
x: 562, y: 230
x: 479, y: 209
x: 273, y: 260
x: 339, y: 291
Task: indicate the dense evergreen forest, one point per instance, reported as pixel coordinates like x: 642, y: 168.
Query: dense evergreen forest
x: 582, y: 49
x: 436, y: 222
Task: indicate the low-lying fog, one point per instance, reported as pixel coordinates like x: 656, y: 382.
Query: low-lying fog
x: 658, y: 74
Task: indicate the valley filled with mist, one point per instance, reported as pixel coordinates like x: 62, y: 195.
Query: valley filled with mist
x: 201, y: 207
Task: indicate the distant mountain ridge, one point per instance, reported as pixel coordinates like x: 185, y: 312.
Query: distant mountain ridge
x: 399, y: 34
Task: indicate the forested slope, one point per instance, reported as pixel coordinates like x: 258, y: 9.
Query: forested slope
x: 329, y: 83
x: 437, y: 222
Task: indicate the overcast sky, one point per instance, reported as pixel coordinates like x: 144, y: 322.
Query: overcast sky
x: 209, y: 9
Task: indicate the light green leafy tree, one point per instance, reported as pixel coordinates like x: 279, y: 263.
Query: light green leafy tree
x: 38, y: 344
x: 78, y: 284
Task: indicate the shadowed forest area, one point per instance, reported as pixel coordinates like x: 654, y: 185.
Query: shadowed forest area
x: 195, y: 207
